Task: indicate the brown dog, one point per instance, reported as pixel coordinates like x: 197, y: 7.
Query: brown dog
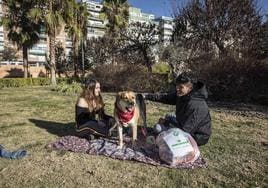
x: 127, y: 112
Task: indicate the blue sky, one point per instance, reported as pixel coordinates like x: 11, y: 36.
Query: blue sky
x: 156, y: 7
x: 164, y: 7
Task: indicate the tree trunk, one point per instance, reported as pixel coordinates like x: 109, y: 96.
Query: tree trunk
x: 25, y: 61
x: 222, y: 50
x: 52, y: 37
x: 75, y: 55
x: 52, y: 58
x: 147, y: 61
x: 83, y: 58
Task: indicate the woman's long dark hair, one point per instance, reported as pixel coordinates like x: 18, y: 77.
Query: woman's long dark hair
x: 95, y: 103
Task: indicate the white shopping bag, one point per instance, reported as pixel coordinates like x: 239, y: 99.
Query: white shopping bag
x: 176, y: 146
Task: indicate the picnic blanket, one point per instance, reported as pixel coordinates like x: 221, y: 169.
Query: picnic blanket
x: 108, y: 147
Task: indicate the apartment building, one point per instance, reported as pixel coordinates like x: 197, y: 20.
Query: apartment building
x: 164, y: 24
x: 1, y: 31
x: 135, y: 15
x: 96, y: 25
x: 166, y: 28
x: 96, y: 28
x: 36, y: 55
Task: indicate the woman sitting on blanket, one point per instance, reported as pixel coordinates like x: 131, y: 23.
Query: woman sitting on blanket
x: 90, y: 117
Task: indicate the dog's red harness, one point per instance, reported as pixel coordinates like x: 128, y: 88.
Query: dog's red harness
x: 124, y: 117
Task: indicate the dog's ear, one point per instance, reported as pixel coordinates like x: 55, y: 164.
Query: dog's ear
x: 119, y: 95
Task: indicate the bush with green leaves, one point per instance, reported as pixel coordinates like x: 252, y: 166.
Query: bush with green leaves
x: 68, y: 89
x: 22, y: 82
x: 161, y: 68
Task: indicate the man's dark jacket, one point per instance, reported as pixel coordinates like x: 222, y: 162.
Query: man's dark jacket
x: 192, y: 111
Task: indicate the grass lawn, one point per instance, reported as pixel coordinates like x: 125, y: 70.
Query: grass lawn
x: 32, y: 117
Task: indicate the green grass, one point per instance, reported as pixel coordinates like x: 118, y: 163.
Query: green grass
x: 32, y: 117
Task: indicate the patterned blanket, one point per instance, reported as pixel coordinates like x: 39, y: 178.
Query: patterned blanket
x: 108, y: 147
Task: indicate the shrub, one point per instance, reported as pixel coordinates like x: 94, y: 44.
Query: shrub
x: 114, y: 78
x: 21, y: 82
x: 161, y: 68
x: 231, y: 79
x: 69, y: 89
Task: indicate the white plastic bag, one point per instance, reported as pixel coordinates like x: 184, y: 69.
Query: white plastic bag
x: 176, y: 146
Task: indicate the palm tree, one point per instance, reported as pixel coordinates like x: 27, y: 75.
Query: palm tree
x: 77, y: 28
x: 22, y: 31
x: 117, y: 14
x: 54, y: 14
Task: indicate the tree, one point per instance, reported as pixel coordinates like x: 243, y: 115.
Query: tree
x: 224, y: 41
x: 142, y: 38
x: 117, y: 13
x: 8, y: 54
x: 99, y: 50
x: 175, y: 57
x: 262, y: 51
x: 53, y: 13
x: 77, y: 29
x: 60, y: 58
x: 226, y: 27
x: 22, y: 30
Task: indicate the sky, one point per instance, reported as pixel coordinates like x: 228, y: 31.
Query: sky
x: 156, y: 7
x: 164, y: 7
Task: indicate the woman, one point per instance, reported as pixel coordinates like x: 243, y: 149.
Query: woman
x: 89, y: 112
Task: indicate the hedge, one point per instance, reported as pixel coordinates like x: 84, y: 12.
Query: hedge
x: 21, y: 82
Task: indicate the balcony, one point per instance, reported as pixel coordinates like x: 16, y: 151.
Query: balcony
x: 37, y: 58
x: 168, y: 33
x: 168, y: 26
x: 37, y: 52
x: 69, y: 44
x: 11, y: 63
x: 96, y: 25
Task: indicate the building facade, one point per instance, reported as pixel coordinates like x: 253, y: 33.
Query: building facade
x: 96, y: 25
x: 135, y: 15
x: 1, y: 30
x: 37, y: 55
x: 166, y: 28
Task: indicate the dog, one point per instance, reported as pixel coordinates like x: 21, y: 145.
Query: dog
x: 129, y: 110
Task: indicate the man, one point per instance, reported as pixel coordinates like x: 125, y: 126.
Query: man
x: 192, y: 113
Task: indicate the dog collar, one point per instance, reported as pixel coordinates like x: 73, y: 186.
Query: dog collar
x: 124, y: 117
